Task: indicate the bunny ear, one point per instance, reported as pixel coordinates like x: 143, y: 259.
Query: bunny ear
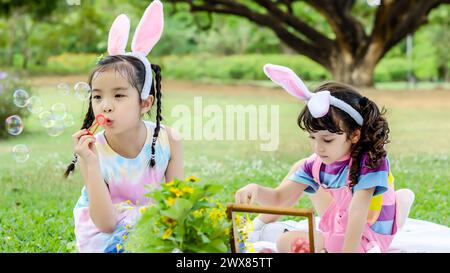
x: 118, y: 35
x: 149, y: 29
x: 287, y: 79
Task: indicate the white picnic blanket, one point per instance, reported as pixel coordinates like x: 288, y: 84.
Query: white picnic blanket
x: 415, y: 236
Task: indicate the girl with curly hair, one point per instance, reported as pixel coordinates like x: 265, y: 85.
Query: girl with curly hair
x: 348, y: 176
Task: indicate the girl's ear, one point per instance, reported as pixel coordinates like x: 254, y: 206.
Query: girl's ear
x: 287, y: 79
x: 149, y: 30
x: 118, y: 35
x: 356, y: 136
x: 147, y: 104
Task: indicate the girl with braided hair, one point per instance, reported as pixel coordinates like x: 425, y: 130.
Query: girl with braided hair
x: 122, y: 162
x: 348, y: 176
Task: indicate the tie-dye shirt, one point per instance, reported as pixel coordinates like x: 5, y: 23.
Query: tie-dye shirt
x: 382, y: 207
x: 128, y: 180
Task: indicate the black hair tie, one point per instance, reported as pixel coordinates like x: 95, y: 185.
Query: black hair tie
x: 363, y: 102
x: 75, y: 159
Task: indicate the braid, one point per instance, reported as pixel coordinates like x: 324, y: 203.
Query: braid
x: 156, y: 86
x: 88, y: 120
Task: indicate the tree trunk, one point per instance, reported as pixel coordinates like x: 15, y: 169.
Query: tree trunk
x: 348, y: 69
x: 361, y: 75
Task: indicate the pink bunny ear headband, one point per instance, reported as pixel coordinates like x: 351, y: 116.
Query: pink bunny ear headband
x: 318, y: 103
x: 147, y: 34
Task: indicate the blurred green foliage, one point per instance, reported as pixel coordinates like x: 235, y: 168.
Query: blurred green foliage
x: 9, y: 83
x: 30, y: 42
x: 248, y: 67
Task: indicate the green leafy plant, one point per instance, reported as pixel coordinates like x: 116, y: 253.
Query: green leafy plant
x: 182, y: 218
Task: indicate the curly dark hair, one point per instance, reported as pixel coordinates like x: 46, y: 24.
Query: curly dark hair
x: 374, y: 130
x: 134, y: 70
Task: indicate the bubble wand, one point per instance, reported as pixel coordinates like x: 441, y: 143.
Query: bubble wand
x: 100, y: 120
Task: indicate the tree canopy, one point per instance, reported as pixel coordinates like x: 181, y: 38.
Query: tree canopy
x: 357, y: 43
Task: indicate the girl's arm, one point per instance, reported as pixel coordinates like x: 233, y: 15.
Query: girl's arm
x: 268, y: 218
x: 357, y: 219
x: 175, y: 167
x: 287, y: 193
x: 101, y: 208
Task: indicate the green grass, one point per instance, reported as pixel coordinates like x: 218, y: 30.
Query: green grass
x: 36, y: 203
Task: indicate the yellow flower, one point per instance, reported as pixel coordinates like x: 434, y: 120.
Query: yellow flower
x: 171, y: 201
x: 118, y: 247
x: 167, y: 233
x: 216, y: 215
x: 176, y: 191
x: 188, y: 190
x: 219, y: 206
x: 170, y: 184
x: 142, y: 210
x: 168, y: 221
x: 129, y: 202
x: 192, y: 179
x: 238, y: 219
x: 197, y: 213
x: 124, y: 237
x: 127, y: 226
x: 250, y: 247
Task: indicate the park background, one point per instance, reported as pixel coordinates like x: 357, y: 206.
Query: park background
x: 219, y: 57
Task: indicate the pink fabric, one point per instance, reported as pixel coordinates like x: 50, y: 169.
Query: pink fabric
x: 118, y: 35
x: 333, y: 223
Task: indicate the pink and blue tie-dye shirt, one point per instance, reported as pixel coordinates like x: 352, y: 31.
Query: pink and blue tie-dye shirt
x: 382, y: 207
x: 128, y: 181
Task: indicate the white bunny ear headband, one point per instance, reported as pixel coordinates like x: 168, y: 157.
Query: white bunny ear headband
x: 147, y: 34
x: 318, y: 103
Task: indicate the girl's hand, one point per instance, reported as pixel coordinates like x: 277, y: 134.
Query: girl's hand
x: 247, y: 194
x: 300, y: 245
x: 84, y: 146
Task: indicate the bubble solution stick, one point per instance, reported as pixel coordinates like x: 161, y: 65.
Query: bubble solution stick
x: 100, y: 120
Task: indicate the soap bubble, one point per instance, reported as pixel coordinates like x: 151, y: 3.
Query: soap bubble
x: 21, y: 98
x: 3, y: 75
x: 56, y: 129
x: 63, y: 88
x: 59, y: 111
x: 14, y: 125
x: 69, y: 121
x: 82, y: 90
x: 46, y: 118
x: 20, y: 153
x: 35, y: 105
